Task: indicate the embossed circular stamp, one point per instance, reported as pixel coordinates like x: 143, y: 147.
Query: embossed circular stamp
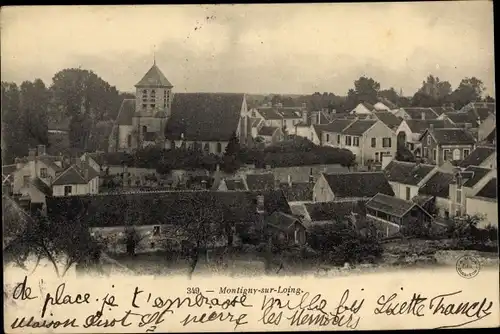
x: 468, y: 266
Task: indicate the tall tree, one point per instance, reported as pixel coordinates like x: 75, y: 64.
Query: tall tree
x: 433, y: 92
x: 366, y: 89
x: 469, y: 90
x: 390, y: 94
x: 12, y: 137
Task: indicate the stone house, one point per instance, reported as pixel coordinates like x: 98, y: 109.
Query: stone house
x: 78, y: 179
x: 485, y: 203
x: 445, y: 144
x: 410, y: 130
x: 482, y: 156
x: 406, y: 178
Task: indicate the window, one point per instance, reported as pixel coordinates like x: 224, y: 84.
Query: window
x: 428, y: 140
x: 374, y: 142
x: 253, y: 113
x: 219, y: 148
x: 327, y: 137
x: 426, y: 152
x: 338, y: 139
x: 153, y: 93
x: 446, y: 214
x: 26, y: 181
x: 144, y: 106
x: 466, y: 153
x: 376, y: 157
x: 43, y: 173
x: 434, y: 154
x: 446, y: 154
x: 408, y: 193
x: 386, y: 142
x: 348, y: 140
x: 152, y: 105
x: 456, y: 154
x: 355, y: 141
x: 129, y: 141
x: 67, y: 190
x: 156, y: 230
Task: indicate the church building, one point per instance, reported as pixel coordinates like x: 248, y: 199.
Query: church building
x: 157, y: 116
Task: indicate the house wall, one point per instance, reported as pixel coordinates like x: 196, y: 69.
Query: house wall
x: 361, y: 109
x: 381, y: 106
x: 466, y: 193
x: 32, y: 169
x: 34, y: 194
x: 486, y: 127
x: 91, y: 162
x: 443, y: 206
x: 78, y: 189
x: 410, y: 136
x: 431, y: 145
x: 490, y: 162
x: 378, y: 131
x: 486, y: 207
x: 289, y: 124
x: 306, y: 132
x: 159, y: 99
x: 322, y: 191
x: 400, y: 190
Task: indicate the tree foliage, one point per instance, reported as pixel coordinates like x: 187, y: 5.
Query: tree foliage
x: 469, y: 90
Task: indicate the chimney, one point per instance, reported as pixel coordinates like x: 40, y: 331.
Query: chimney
x: 304, y: 105
x: 304, y: 117
x: 431, y: 126
x: 204, y: 184
x: 41, y: 149
x: 31, y: 154
x: 289, y: 180
x: 217, y: 167
x: 478, y: 121
x: 386, y: 159
x: 311, y: 177
x: 422, y: 115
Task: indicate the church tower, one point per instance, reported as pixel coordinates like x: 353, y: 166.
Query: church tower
x: 153, y: 93
x: 153, y: 103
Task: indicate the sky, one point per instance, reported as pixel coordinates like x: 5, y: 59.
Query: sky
x: 255, y: 49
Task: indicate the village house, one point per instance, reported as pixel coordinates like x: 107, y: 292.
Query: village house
x: 321, y: 213
x: 416, y: 113
x: 368, y: 140
x: 490, y: 106
x: 410, y: 130
x: 350, y: 186
x: 467, y: 120
x: 331, y: 133
x: 79, y: 179
x: 363, y: 108
x: 395, y: 214
x: 157, y: 216
x: 270, y: 135
x: 282, y: 117
x: 485, y: 204
x: 406, y: 178
x: 467, y: 183
x: 482, y: 156
x: 444, y: 144
x: 286, y: 229
x: 232, y: 185
x: 438, y: 189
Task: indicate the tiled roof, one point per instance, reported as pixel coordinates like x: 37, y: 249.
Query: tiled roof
x: 8, y: 169
x: 337, y: 125
x: 127, y: 110
x: 477, y: 174
x: 416, y: 113
x: 42, y: 186
x: 389, y: 119
x: 489, y: 190
x: 446, y: 136
x: 461, y: 118
x: 437, y: 185
x: 478, y: 156
x: 267, y: 131
x: 50, y: 161
x: 169, y: 207
x: 298, y: 210
x: 269, y: 113
x: 333, y: 211
x: 391, y: 205
x: 298, y: 191
x: 419, y: 125
x: 388, y: 103
x: 422, y: 199
x: 290, y: 113
x: 260, y: 181
x: 360, y: 184
x: 442, y: 110
x: 235, y: 184
x: 154, y: 78
x: 75, y: 175
x: 359, y: 127
x: 407, y: 172
x: 281, y: 220
x: 368, y: 106
x: 482, y: 113
x: 204, y: 116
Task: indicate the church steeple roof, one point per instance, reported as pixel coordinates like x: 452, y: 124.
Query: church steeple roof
x: 154, y: 78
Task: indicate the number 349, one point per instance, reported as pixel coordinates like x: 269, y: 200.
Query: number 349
x: 192, y: 291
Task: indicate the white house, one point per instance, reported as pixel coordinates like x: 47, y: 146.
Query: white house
x: 79, y: 179
x: 406, y: 178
